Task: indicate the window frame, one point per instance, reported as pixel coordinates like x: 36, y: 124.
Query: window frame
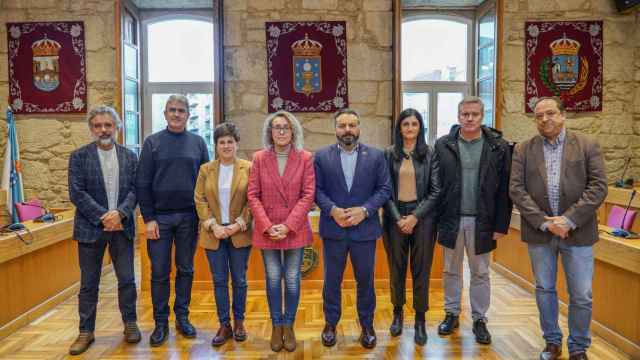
x: 483, y: 10
x: 433, y: 88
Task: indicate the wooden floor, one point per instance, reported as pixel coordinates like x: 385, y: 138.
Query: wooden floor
x: 513, y: 322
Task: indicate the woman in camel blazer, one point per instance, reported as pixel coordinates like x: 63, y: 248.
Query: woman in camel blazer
x: 225, y: 228
x: 281, y: 192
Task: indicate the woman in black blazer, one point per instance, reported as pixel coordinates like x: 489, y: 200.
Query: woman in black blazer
x: 409, y: 221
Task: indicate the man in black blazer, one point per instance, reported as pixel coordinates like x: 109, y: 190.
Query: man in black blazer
x: 102, y: 187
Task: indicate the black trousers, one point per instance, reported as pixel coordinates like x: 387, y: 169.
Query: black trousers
x: 90, y: 256
x: 417, y: 247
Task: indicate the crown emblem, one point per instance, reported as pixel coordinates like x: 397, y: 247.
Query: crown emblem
x: 564, y: 46
x: 46, y: 47
x: 306, y: 47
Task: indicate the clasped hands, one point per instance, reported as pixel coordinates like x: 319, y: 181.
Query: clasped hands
x: 225, y: 231
x: 558, y: 226
x: 348, y: 217
x: 111, y: 221
x: 277, y: 232
x: 407, y: 223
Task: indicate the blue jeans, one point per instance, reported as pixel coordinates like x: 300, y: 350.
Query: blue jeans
x: 90, y: 257
x: 181, y: 229
x: 577, y: 262
x: 279, y: 264
x: 225, y: 259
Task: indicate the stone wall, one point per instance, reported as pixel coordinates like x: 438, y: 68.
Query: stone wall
x: 369, y: 30
x: 617, y: 127
x: 47, y: 140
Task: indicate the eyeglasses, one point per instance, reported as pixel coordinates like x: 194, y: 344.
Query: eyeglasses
x: 547, y: 114
x: 177, y: 110
x: 282, y: 129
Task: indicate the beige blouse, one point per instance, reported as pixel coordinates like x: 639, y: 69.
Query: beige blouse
x: 407, y: 181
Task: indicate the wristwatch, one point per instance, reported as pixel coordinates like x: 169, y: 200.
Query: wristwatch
x: 366, y: 212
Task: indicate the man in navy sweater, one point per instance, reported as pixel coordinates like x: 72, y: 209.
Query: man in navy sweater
x: 166, y: 178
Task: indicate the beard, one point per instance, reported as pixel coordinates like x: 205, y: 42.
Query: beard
x: 348, y: 139
x: 104, y: 140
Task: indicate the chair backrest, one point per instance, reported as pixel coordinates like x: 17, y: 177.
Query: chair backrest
x: 30, y: 210
x: 616, y: 215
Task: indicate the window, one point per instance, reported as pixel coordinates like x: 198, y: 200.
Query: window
x: 179, y: 55
x: 485, y: 83
x: 131, y: 79
x: 436, y: 70
x: 446, y: 52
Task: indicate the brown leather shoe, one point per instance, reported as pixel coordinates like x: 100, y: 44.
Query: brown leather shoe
x: 239, y: 332
x: 328, y: 335
x: 224, y: 333
x: 581, y: 355
x: 289, y: 338
x: 276, y: 338
x: 551, y: 352
x: 82, y: 343
x: 132, y: 332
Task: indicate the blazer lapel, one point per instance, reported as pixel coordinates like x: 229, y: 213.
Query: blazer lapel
x: 272, y: 168
x: 235, y: 180
x: 293, y: 162
x: 336, y: 160
x: 538, y: 159
x: 362, y: 152
x: 122, y: 171
x: 569, y: 152
x: 215, y: 173
x: 95, y: 159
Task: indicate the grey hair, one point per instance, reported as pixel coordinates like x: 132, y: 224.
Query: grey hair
x: 104, y: 110
x: 471, y: 100
x: 297, y: 135
x: 178, y: 98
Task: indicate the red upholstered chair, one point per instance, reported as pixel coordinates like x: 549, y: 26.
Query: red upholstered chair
x: 616, y: 215
x: 30, y: 210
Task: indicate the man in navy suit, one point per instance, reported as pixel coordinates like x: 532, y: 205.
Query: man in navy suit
x: 102, y: 187
x: 352, y: 183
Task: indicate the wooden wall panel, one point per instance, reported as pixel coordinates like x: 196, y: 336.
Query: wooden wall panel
x: 255, y: 271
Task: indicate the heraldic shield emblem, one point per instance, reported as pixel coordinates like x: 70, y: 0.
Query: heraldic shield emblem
x: 307, y: 66
x: 564, y: 59
x: 46, y: 66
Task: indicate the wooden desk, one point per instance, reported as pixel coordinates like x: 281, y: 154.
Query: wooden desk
x: 255, y: 271
x: 616, y: 283
x: 35, y: 277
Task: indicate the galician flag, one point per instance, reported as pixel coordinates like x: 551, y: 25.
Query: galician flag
x: 12, y: 175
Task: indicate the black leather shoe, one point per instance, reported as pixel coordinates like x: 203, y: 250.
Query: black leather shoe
x: 368, y: 338
x: 449, y: 323
x: 328, y: 335
x: 396, y: 324
x: 159, y: 335
x: 481, y: 332
x: 185, y: 328
x: 420, y: 336
x: 551, y: 352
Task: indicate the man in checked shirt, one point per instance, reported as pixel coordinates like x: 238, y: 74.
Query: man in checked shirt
x: 558, y: 181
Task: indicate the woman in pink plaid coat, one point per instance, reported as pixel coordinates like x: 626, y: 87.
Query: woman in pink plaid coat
x: 281, y: 193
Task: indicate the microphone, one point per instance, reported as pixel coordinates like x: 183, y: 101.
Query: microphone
x: 620, y: 183
x: 621, y: 232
